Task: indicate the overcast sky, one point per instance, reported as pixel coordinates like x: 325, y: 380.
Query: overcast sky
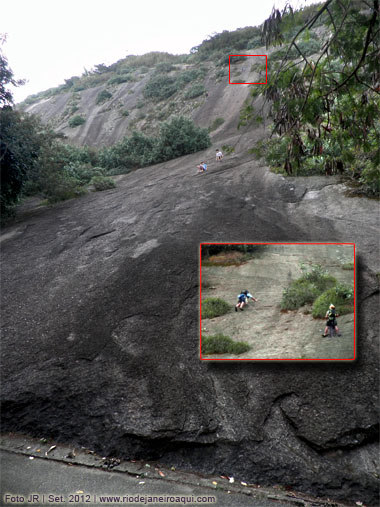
x: 51, y: 40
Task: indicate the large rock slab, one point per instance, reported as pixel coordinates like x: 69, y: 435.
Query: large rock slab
x: 100, y: 339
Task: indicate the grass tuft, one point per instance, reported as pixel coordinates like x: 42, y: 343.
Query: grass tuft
x: 221, y: 344
x: 214, y: 307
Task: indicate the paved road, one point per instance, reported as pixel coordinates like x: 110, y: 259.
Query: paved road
x: 41, y: 480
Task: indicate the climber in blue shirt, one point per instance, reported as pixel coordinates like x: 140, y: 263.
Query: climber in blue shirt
x: 243, y: 300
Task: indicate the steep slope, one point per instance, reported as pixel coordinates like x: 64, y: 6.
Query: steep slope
x: 127, y: 108
x: 270, y: 332
x: 101, y: 337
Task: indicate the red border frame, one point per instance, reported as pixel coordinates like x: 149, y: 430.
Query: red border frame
x: 271, y: 360
x: 266, y: 69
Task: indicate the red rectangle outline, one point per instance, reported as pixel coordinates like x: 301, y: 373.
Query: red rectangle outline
x: 229, y: 69
x: 271, y: 360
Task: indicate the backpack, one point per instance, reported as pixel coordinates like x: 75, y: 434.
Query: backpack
x: 331, y: 314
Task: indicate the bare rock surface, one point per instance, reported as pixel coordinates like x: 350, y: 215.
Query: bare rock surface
x: 273, y: 333
x: 100, y: 338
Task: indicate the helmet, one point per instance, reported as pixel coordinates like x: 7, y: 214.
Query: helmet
x: 332, y: 306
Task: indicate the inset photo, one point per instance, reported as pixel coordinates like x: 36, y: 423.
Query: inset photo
x: 277, y: 301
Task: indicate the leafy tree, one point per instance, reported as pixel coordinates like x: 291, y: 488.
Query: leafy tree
x: 6, y: 77
x: 177, y: 137
x: 181, y: 136
x: 325, y: 98
x: 20, y: 142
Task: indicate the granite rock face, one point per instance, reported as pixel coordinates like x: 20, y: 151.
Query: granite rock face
x: 100, y: 339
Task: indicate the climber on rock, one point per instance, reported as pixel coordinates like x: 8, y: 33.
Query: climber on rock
x: 243, y: 300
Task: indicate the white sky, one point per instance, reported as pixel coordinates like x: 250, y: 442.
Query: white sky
x: 51, y: 40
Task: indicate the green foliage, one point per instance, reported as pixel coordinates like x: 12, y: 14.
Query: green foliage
x: 326, y: 107
x: 103, y: 96
x: 180, y: 136
x: 164, y: 67
x: 188, y: 76
x: 300, y: 293
x: 216, y: 124
x: 131, y: 152
x: 258, y: 150
x: 227, y: 149
x: 226, y: 42
x: 211, y: 250
x: 214, y: 307
x: 307, y: 288
x: 6, y: 78
x: 160, y: 87
x: 195, y: 91
x: 61, y: 171
x: 221, y: 344
x: 124, y: 78
x: 21, y: 138
x: 348, y: 266
x: 102, y: 183
x: 221, y: 74
x: 77, y: 120
x: 341, y: 296
x: 60, y: 187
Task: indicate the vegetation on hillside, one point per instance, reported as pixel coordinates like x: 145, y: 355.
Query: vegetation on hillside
x: 35, y: 160
x: 221, y: 344
x: 342, y: 296
x: 214, y: 307
x: 323, y: 91
x: 320, y: 289
x: 124, y: 70
x: 307, y: 288
x: 176, y: 137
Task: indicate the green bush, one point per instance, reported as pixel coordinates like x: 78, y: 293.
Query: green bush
x: 177, y: 137
x: 82, y: 173
x: 160, y: 87
x: 214, y: 307
x: 307, y: 288
x: 221, y: 344
x: 195, y: 91
x: 164, y: 67
x: 119, y: 79
x: 189, y: 75
x: 216, y: 124
x: 370, y: 178
x: 300, y: 293
x: 220, y: 74
x: 77, y: 120
x: 103, y: 96
x: 341, y: 296
x: 102, y: 183
x: 61, y: 186
x: 180, y: 136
